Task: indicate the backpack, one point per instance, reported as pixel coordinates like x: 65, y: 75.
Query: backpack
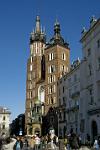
x: 18, y: 145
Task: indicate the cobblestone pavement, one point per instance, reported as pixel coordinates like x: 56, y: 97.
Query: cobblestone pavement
x: 85, y: 148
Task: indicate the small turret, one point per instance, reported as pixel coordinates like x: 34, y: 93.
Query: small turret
x: 57, y: 38
x: 57, y: 30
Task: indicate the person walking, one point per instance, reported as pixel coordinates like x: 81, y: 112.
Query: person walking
x: 96, y: 145
x: 18, y: 145
x: 37, y: 142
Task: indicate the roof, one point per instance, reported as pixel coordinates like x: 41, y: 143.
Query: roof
x: 90, y: 29
x: 4, y: 110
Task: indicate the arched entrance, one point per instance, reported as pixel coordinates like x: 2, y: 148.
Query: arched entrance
x: 94, y: 129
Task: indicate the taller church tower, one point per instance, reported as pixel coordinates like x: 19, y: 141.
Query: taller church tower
x: 35, y: 80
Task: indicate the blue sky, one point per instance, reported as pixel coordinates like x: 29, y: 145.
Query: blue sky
x: 17, y: 19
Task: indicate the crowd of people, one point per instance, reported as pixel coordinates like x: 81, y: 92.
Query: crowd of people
x: 70, y: 142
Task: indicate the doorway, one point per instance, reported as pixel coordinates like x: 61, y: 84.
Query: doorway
x: 94, y: 130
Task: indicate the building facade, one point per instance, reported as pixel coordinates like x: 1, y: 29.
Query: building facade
x: 69, y: 99
x: 90, y: 80
x: 82, y: 86
x: 4, y: 121
x: 47, y: 62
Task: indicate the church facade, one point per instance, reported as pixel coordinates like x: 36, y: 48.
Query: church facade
x: 47, y: 63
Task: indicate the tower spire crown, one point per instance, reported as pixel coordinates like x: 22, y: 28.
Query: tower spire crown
x: 38, y: 30
x: 57, y: 28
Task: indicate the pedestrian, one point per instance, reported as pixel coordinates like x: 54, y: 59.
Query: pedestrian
x: 32, y: 142
x: 79, y: 140
x: 37, y: 142
x: 74, y: 141
x: 18, y: 145
x: 96, y: 145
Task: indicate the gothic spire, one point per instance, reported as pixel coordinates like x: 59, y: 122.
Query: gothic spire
x: 38, y: 30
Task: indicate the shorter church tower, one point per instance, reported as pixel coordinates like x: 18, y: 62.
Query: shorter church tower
x: 57, y: 58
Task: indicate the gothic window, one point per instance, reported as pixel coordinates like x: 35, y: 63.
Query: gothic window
x: 51, y: 89
x: 52, y: 69
x: 51, y: 78
x: 63, y: 56
x: 51, y: 56
x: 30, y: 67
x: 31, y: 59
x: 63, y: 67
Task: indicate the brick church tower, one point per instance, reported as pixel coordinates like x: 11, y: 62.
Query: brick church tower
x: 57, y: 64
x: 35, y: 80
